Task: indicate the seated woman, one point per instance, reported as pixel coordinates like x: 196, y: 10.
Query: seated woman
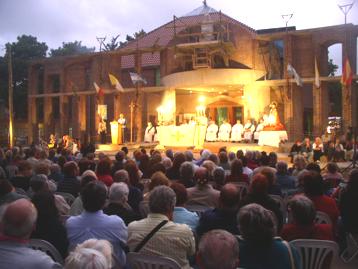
x: 332, y: 177
x: 318, y: 149
x: 303, y: 215
x: 237, y: 174
x: 313, y: 189
x: 258, y: 246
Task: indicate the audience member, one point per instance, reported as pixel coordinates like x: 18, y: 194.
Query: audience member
x: 48, y: 225
x: 93, y: 223
x: 283, y: 179
x: 224, y: 216
x: 302, y: 226
x: 258, y: 246
x: 172, y: 240
x: 103, y: 171
x: 118, y: 198
x: 181, y: 214
x: 218, y: 249
x: 202, y: 193
x: 22, y: 179
x: 186, y: 171
x: 237, y: 173
x: 173, y: 172
x: 70, y: 182
x: 8, y: 193
x: 16, y: 225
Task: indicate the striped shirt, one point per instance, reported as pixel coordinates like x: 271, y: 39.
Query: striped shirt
x: 173, y: 240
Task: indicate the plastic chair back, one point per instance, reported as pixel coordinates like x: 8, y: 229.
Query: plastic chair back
x: 316, y: 254
x: 48, y: 248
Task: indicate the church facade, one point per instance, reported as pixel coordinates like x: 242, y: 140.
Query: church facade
x: 203, y: 60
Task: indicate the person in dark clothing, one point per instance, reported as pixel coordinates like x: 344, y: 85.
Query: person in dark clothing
x: 48, y: 224
x: 118, y: 197
x: 22, y: 179
x: 224, y: 216
x: 70, y: 183
x: 173, y: 172
x: 348, y: 202
x: 118, y: 163
x: 187, y: 174
x: 258, y: 194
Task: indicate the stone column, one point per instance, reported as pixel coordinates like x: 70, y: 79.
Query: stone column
x: 48, y: 117
x: 138, y: 100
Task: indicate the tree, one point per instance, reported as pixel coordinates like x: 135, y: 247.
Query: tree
x: 112, y: 45
x: 26, y: 48
x: 130, y: 38
x: 332, y: 68
x: 71, y: 48
x: 334, y: 91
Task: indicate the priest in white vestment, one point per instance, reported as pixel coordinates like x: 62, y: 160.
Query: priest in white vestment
x: 237, y: 131
x: 249, y: 129
x: 149, y: 133
x: 211, y: 132
x: 259, y: 128
x: 224, y: 131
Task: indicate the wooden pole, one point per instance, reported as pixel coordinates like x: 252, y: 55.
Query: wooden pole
x: 131, y: 106
x: 11, y: 90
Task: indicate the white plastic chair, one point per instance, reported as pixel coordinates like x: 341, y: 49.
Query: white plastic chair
x: 352, y: 248
x: 141, y: 261
x: 316, y: 254
x: 47, y: 248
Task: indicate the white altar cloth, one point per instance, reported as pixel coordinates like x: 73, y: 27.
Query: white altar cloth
x: 272, y: 138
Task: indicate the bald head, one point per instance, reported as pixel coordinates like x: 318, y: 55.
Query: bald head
x: 201, y: 175
x: 229, y: 196
x: 218, y: 249
x: 18, y: 219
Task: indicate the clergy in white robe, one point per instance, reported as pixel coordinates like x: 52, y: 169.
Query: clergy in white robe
x: 211, y: 132
x: 249, y: 129
x: 224, y: 131
x: 259, y: 128
x: 237, y: 131
x: 149, y: 133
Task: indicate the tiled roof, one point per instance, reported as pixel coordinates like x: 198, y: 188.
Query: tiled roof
x: 162, y: 36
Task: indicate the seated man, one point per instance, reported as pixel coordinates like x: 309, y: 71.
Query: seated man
x: 93, y: 223
x: 237, y: 131
x: 149, y: 133
x: 224, y: 216
x: 224, y: 131
x: 211, y: 132
x: 303, y: 226
x: 259, y: 128
x: 172, y: 240
x: 16, y: 225
x: 218, y: 249
x: 249, y: 129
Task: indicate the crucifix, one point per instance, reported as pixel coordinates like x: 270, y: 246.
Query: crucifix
x: 204, y: 2
x: 132, y: 106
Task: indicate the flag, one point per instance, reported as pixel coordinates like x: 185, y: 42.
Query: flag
x: 317, y: 81
x: 99, y: 91
x: 292, y: 72
x: 347, y: 74
x: 115, y: 82
x: 137, y: 78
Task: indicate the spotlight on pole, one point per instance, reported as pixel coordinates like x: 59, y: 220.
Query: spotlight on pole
x: 345, y: 9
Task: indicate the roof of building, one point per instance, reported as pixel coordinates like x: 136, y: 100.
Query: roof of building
x: 164, y: 34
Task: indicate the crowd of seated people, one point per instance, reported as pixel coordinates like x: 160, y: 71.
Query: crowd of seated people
x: 332, y: 147
x: 198, y: 203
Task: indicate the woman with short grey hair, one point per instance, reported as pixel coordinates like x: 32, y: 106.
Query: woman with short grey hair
x: 186, y: 171
x: 118, y: 198
x: 258, y: 246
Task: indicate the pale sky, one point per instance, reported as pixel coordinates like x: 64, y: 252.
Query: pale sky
x: 55, y: 21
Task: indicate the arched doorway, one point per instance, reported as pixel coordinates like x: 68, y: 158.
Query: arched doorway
x: 225, y: 110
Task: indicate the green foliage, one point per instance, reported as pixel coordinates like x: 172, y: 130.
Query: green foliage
x: 23, y: 51
x: 71, y: 48
x: 332, y: 68
x: 130, y: 38
x: 112, y: 45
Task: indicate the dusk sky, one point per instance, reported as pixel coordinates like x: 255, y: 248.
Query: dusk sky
x: 55, y: 21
